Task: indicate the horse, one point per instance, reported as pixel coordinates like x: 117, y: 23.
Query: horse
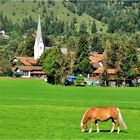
x: 96, y: 114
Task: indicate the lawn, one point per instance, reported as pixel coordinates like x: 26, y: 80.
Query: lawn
x: 32, y: 109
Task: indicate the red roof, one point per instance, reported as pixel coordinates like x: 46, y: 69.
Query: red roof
x: 27, y: 60
x: 99, y: 71
x: 96, y: 65
x: 38, y: 72
x: 109, y: 71
x: 96, y: 58
x: 29, y: 68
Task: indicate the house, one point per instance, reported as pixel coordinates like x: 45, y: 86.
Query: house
x: 96, y: 60
x: 99, y: 72
x: 30, y: 71
x: 28, y: 67
x: 3, y: 34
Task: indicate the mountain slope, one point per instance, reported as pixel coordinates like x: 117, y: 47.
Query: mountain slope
x: 18, y: 10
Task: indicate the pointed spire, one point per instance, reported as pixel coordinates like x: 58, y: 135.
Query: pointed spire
x: 39, y: 46
x: 38, y: 34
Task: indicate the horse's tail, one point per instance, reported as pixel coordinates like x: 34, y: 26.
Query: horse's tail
x: 120, y: 118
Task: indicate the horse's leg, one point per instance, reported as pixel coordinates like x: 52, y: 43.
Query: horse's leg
x: 91, y: 126
x: 113, y: 126
x: 97, y: 126
x: 118, y: 125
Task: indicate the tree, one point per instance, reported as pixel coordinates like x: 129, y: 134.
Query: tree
x: 72, y: 43
x: 121, y: 56
x: 5, y: 61
x: 83, y: 28
x: 56, y: 65
x: 5, y: 67
x: 97, y: 43
x: 130, y: 66
x: 93, y: 27
x: 81, y: 60
x: 26, y: 48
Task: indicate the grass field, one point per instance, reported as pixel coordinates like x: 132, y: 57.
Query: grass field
x: 32, y: 109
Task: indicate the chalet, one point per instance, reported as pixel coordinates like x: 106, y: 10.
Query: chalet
x: 99, y: 70
x: 28, y: 67
x: 96, y: 60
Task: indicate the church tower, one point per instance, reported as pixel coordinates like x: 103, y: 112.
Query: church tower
x: 38, y: 46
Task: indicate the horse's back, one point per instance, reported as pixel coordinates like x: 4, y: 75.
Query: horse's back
x: 104, y: 113
x: 112, y: 111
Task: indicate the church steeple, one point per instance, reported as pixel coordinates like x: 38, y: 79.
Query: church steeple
x: 39, y: 46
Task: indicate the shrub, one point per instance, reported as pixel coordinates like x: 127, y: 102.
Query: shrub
x: 79, y: 81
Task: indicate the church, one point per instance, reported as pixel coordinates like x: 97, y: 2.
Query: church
x: 28, y: 65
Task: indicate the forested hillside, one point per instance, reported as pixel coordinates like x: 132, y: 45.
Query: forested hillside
x: 68, y: 16
x: 119, y: 15
x: 58, y: 17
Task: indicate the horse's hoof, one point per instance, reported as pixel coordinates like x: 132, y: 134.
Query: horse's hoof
x: 89, y: 131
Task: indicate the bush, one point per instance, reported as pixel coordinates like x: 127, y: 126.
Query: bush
x: 17, y: 74
x: 79, y: 81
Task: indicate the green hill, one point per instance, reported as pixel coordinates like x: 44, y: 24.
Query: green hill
x: 19, y: 10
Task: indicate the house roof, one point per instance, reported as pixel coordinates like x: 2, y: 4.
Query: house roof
x: 96, y: 65
x: 29, y: 68
x: 101, y: 70
x: 38, y: 72
x: 27, y: 60
x: 111, y: 71
x: 96, y: 58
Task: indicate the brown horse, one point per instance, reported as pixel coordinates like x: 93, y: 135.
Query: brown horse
x: 102, y: 114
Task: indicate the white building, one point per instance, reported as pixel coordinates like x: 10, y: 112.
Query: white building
x: 2, y: 32
x: 39, y: 46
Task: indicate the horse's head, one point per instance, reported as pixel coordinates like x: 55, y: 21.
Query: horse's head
x: 83, y: 126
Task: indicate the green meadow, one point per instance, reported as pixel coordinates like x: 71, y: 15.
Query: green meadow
x: 33, y: 109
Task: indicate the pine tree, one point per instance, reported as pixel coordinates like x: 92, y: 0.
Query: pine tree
x: 83, y: 28
x: 93, y: 27
x: 81, y: 61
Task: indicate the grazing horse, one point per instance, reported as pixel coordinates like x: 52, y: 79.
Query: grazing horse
x: 102, y: 114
